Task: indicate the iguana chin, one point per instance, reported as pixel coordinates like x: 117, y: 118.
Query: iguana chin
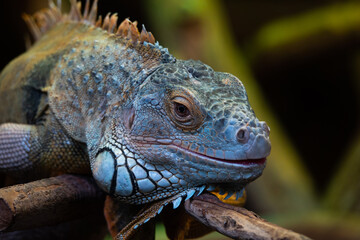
x: 93, y: 95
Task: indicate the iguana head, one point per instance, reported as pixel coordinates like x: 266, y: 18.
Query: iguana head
x: 154, y: 126
x: 187, y: 127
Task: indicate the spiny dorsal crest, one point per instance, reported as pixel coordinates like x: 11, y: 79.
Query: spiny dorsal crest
x: 43, y: 20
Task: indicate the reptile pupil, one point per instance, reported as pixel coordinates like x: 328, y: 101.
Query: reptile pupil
x: 181, y: 110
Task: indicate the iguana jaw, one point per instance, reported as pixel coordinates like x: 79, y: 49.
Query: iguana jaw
x: 153, y: 209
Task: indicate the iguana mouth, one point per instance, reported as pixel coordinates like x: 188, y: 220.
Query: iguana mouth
x: 224, y: 159
x: 245, y: 162
x: 259, y: 161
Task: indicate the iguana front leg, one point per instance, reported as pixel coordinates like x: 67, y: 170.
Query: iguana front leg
x: 19, y: 147
x: 36, y: 148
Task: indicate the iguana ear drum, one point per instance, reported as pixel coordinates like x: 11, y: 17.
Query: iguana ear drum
x: 128, y: 116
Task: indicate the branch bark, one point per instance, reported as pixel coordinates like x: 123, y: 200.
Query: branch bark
x: 55, y: 200
x: 235, y: 222
x: 48, y: 202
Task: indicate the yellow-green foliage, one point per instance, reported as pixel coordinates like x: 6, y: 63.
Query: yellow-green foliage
x: 337, y: 18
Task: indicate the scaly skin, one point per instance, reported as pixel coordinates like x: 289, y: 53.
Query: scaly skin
x: 148, y: 125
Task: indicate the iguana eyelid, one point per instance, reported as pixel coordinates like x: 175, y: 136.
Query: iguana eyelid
x: 182, y: 100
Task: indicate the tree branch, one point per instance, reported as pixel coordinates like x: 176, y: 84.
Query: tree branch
x: 55, y: 200
x: 235, y: 222
x: 48, y: 202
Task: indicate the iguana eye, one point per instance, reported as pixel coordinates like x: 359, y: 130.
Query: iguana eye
x: 184, y: 112
x: 181, y: 110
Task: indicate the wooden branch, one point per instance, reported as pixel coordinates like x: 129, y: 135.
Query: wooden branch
x: 48, y: 202
x: 55, y: 200
x: 235, y: 222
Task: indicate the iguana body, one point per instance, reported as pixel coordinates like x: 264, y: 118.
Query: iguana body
x: 149, y: 126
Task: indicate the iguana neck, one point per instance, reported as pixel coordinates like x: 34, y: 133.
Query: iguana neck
x: 98, y: 73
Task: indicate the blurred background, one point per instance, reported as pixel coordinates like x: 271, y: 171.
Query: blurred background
x: 300, y: 63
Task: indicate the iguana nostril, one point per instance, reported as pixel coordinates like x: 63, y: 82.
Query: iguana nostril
x: 242, y: 135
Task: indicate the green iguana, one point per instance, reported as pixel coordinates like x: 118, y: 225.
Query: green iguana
x: 93, y: 97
